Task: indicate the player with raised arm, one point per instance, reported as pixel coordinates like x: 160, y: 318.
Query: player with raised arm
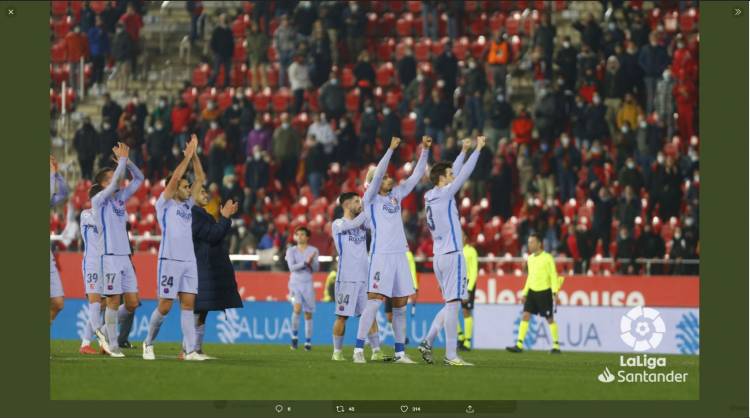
x: 302, y: 260
x: 350, y: 237
x: 388, y: 273
x: 92, y: 275
x: 441, y: 213
x: 118, y: 275
x: 58, y: 192
x: 177, y: 270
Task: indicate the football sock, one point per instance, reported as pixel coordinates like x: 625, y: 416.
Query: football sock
x: 365, y: 322
x: 437, y: 325
x: 374, y: 339
x: 399, y: 328
x: 469, y: 326
x: 110, y: 320
x: 295, y: 324
x: 308, y: 329
x: 338, y: 342
x: 95, y: 316
x: 125, y: 318
x: 451, y: 329
x: 153, y: 327
x: 187, y: 322
x: 553, y: 332
x: 522, y: 328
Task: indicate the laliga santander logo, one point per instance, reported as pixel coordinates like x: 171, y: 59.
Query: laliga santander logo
x: 642, y: 328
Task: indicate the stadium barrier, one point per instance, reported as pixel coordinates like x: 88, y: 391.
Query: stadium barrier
x: 589, y: 329
x: 656, y: 291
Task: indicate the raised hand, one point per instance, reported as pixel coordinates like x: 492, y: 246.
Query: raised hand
x: 191, y: 146
x: 466, y: 145
x: 121, y: 150
x: 395, y: 142
x: 481, y: 141
x: 229, y: 208
x: 426, y: 141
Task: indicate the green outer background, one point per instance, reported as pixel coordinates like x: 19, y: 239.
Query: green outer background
x: 723, y: 111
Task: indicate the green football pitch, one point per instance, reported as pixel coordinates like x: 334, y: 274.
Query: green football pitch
x: 274, y: 372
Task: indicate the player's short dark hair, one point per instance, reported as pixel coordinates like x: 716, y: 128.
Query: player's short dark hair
x: 343, y: 197
x: 437, y: 170
x: 99, y: 176
x: 536, y: 236
x: 94, y: 190
x: 303, y: 229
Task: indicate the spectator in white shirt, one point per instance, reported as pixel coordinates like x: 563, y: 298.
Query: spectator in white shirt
x: 320, y: 130
x: 299, y: 78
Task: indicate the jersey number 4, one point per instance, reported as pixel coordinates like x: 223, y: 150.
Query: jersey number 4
x: 167, y: 281
x: 430, y: 222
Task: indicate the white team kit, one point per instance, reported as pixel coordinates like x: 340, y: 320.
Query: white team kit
x: 443, y: 222
x: 300, y: 280
x: 92, y: 253
x: 110, y: 214
x: 350, y: 238
x: 177, y: 269
x: 389, y: 273
x: 58, y: 192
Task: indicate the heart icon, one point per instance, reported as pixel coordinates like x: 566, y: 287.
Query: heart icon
x: 404, y: 408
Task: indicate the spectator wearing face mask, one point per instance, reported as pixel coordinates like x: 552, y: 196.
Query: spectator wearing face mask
x: 209, y: 114
x: 567, y: 61
x: 260, y: 136
x: 416, y: 92
x: 595, y: 120
x: 446, y: 68
x: 355, y: 20
x: 346, y: 137
x: 632, y: 74
x: 390, y: 125
x: 475, y: 84
x: 368, y: 130
x: 180, y: 119
x: 498, y: 58
x: 285, y: 41
x: 664, y: 102
x: 613, y: 91
x: 629, y: 175
x: 667, y: 189
x: 500, y: 115
x: 364, y: 74
x: 257, y: 170
x: 680, y: 251
x: 286, y: 145
x: 407, y: 68
x: 628, y: 208
x: 159, y: 145
x: 567, y: 162
x: 604, y: 205
x: 650, y: 245
x: 214, y: 131
x: 653, y: 59
x: 161, y: 113
x: 522, y: 127
x: 320, y: 130
x: 626, y: 252
x: 299, y: 78
x: 591, y: 32
x: 222, y: 46
x: 333, y: 98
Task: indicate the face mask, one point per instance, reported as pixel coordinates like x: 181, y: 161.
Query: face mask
x: 369, y: 110
x: 105, y: 125
x: 285, y: 125
x: 159, y: 127
x: 257, y: 155
x: 214, y: 125
x: 235, y: 106
x: 386, y: 111
x: 697, y: 178
x: 343, y: 125
x: 643, y: 124
x: 566, y: 44
x: 596, y: 100
x: 420, y: 78
x: 631, y: 165
x: 257, y: 126
x: 667, y: 75
x: 689, y: 221
x: 500, y: 98
x: 334, y: 81
x: 680, y: 45
x: 596, y: 149
x: 472, y: 65
x: 211, y: 106
x: 162, y: 103
x: 677, y: 236
x: 624, y: 129
x: 565, y: 141
x: 579, y: 104
x: 611, y: 26
x: 660, y: 159
x: 543, y: 147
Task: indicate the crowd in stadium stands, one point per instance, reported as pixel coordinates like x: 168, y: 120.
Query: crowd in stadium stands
x: 302, y: 96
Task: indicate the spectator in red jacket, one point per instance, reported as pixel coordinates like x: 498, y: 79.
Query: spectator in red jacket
x: 76, y: 47
x: 522, y: 127
x: 686, y: 100
x: 133, y: 23
x: 181, y: 118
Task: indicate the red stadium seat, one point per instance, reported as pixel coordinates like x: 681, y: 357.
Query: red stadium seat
x: 396, y: 6
x: 272, y: 56
x: 404, y: 25
x: 478, y: 25
x: 59, y: 8
x: 273, y: 74
x: 384, y: 74
x: 352, y: 101
x: 393, y: 98
x: 282, y: 99
x: 240, y: 25
x: 513, y: 24
x: 478, y: 47
x: 239, y: 75
x: 262, y: 100
x: 688, y: 20
x: 347, y: 77
x: 496, y: 22
x: 471, y: 6
x: 422, y: 49
x: 98, y: 6
x: 301, y: 122
x: 311, y: 98
x: 460, y: 48
x: 62, y: 26
x: 224, y: 99
x: 190, y: 95
x: 205, y: 96
x: 240, y: 51
x: 386, y: 49
x: 386, y: 24
x: 439, y: 46
x: 409, y: 126
x: 371, y: 29
x: 200, y: 75
x: 58, y: 52
x: 671, y: 21
x: 414, y: 6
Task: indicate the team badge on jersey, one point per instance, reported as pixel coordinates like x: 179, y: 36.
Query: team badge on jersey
x: 394, y: 201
